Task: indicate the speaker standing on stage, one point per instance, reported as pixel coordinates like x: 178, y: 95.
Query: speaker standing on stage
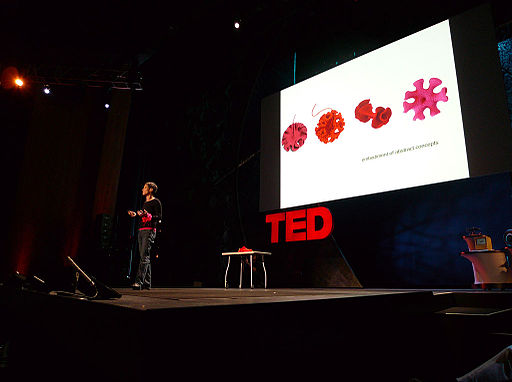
x: 150, y: 217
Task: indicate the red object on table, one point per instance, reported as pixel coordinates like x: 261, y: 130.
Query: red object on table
x: 244, y: 249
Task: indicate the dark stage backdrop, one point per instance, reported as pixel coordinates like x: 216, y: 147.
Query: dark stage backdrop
x: 204, y: 112
x: 67, y: 174
x: 194, y: 130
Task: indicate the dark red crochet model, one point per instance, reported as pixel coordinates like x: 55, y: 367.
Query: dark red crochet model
x: 364, y: 112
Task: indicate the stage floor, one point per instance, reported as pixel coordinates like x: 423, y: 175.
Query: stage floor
x: 165, y: 298
x: 403, y: 333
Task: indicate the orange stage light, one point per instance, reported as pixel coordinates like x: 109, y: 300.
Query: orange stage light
x: 18, y: 82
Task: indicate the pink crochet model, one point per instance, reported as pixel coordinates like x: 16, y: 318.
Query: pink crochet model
x: 424, y: 98
x: 294, y: 136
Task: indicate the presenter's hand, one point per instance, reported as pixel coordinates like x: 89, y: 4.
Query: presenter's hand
x: 131, y: 213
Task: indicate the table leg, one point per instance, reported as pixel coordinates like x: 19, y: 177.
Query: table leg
x: 252, y: 286
x: 264, y: 269
x: 241, y: 267
x: 226, y: 275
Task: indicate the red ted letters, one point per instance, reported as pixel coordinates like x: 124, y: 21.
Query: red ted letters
x: 300, y: 224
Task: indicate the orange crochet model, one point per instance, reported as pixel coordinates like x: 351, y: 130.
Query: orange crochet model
x: 330, y: 126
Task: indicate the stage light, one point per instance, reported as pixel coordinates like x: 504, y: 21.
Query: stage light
x: 19, y: 82
x: 46, y: 89
x: 507, y: 237
x: 107, y: 106
x: 237, y: 24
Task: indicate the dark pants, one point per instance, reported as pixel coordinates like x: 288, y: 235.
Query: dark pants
x: 146, y: 239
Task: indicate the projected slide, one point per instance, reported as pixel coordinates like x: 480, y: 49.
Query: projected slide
x: 390, y: 119
x: 426, y: 109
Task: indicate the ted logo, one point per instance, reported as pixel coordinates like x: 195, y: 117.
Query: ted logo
x: 300, y: 224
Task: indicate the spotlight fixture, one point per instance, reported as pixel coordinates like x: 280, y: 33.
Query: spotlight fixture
x: 19, y: 82
x: 46, y: 89
x: 507, y: 237
x: 107, y: 106
x: 237, y: 24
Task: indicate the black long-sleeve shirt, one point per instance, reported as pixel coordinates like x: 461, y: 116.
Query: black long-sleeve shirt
x: 154, y: 215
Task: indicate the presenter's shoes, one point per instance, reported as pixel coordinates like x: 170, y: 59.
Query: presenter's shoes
x: 146, y: 287
x: 137, y: 286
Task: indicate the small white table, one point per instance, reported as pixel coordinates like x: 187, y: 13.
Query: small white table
x: 241, y: 254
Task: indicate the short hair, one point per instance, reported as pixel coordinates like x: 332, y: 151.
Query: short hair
x: 153, y: 186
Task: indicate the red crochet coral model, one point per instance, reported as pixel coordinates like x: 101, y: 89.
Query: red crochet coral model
x: 425, y: 98
x: 382, y: 117
x: 330, y: 126
x: 364, y: 112
x: 146, y: 217
x: 294, y: 136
